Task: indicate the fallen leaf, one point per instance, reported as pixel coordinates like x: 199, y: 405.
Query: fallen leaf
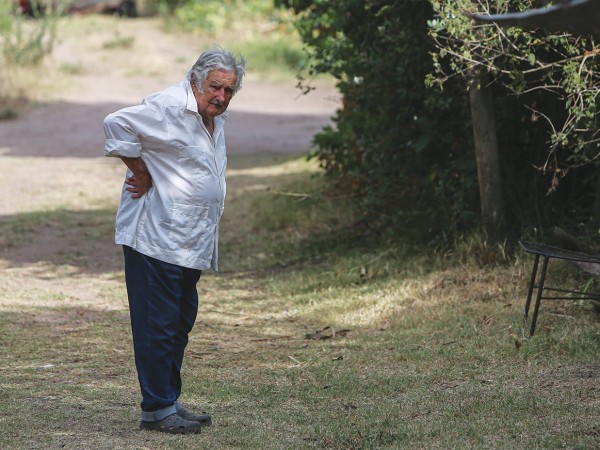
x: 294, y: 359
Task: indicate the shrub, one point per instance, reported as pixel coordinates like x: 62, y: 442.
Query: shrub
x: 405, y: 147
x: 25, y: 40
x: 401, y: 147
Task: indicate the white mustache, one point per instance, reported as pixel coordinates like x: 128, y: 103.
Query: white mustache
x: 216, y: 103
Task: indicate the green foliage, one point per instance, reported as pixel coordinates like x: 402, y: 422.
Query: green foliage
x: 548, y: 87
x: 402, y: 141
x: 271, y: 54
x: 253, y: 28
x: 169, y: 6
x: 8, y: 113
x: 218, y: 15
x: 400, y: 146
x: 24, y: 41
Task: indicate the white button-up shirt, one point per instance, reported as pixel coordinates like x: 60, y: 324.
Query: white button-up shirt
x: 177, y: 220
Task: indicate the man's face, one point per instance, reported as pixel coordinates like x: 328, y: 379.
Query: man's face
x: 218, y: 88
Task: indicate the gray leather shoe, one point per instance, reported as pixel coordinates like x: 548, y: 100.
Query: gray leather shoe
x: 203, y: 419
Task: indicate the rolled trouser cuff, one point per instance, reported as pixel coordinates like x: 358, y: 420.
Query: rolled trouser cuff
x: 159, y: 414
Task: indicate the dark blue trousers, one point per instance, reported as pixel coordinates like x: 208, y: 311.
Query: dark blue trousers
x: 163, y: 304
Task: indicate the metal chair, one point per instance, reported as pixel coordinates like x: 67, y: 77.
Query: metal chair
x: 548, y: 252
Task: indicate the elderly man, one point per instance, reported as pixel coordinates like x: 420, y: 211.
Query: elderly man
x: 173, y: 145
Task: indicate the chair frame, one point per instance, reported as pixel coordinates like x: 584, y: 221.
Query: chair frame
x: 548, y: 252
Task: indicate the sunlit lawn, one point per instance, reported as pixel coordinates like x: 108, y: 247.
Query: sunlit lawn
x: 301, y: 341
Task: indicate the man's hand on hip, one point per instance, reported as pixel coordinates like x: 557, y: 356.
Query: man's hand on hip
x: 138, y: 186
x: 141, y: 181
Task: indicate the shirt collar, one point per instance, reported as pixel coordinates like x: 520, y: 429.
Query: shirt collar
x: 191, y: 104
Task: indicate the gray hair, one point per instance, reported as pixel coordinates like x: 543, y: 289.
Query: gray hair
x: 217, y: 59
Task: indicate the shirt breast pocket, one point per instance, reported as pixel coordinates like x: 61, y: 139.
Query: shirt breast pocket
x: 194, y: 159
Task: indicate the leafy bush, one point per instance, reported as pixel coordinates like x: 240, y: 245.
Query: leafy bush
x: 405, y: 147
x: 401, y: 147
x: 274, y: 57
x: 552, y: 77
x: 24, y: 41
x: 255, y: 28
x: 218, y: 15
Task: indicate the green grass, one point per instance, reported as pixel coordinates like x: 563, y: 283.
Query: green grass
x: 263, y: 34
x: 429, y: 352
x: 272, y: 56
x: 119, y: 42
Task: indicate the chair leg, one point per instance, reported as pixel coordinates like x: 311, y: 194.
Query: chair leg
x: 538, y: 298
x: 531, y: 284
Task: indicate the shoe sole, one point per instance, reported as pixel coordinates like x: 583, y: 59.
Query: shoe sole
x: 171, y: 430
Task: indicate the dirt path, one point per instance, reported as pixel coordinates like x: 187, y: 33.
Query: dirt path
x: 264, y: 116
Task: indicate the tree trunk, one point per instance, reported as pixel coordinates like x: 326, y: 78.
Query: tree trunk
x: 488, y: 161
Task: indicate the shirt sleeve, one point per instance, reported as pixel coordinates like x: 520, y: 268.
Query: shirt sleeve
x: 125, y: 128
